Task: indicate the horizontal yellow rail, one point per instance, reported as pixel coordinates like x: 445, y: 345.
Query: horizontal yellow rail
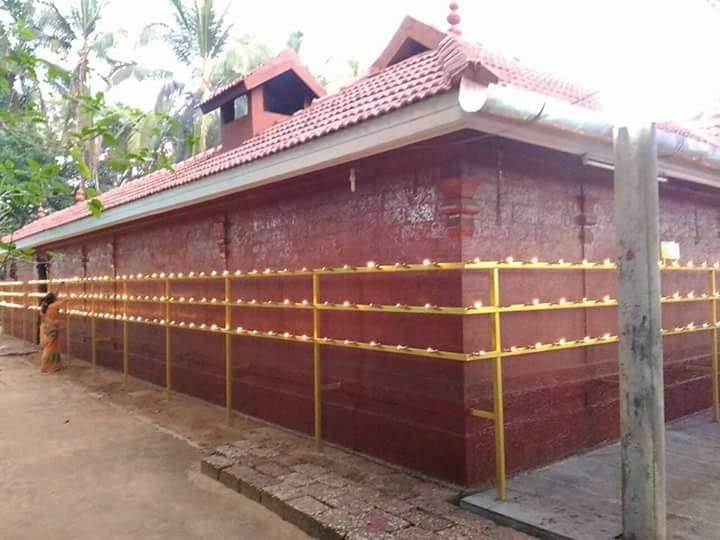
x: 369, y: 268
x: 476, y: 309
x: 18, y: 295
x: 561, y: 344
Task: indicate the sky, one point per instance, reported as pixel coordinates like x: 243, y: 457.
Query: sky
x: 639, y: 52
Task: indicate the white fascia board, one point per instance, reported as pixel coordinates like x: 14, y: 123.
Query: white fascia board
x: 573, y: 143
x: 418, y: 122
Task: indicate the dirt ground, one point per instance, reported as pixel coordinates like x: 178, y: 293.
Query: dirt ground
x: 83, y: 456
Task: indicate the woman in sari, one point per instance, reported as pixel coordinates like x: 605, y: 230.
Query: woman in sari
x: 49, y: 332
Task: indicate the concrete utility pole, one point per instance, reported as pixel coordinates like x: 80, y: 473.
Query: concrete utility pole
x: 642, y: 415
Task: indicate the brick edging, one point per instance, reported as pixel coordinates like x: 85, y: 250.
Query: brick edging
x: 339, y: 495
x: 231, y: 476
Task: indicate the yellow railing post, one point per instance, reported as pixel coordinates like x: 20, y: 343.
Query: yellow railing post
x: 228, y: 353
x: 3, y: 311
x: 93, y: 344
x: 317, y: 391
x: 48, y: 289
x: 67, y: 322
x: 168, y: 345
x: 28, y: 313
x: 498, y: 397
x: 12, y: 320
x: 714, y: 337
x: 125, y: 332
x: 7, y: 314
x: 24, y: 312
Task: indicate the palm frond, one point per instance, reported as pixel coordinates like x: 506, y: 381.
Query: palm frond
x: 124, y: 71
x: 201, y: 16
x: 86, y: 15
x: 220, y: 41
x: 244, y: 55
x: 107, y: 40
x: 180, y: 14
x: 168, y: 95
x: 60, y: 28
x: 153, y: 32
x: 211, y: 29
x: 94, y: 14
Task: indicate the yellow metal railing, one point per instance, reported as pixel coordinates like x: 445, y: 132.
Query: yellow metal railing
x: 18, y: 295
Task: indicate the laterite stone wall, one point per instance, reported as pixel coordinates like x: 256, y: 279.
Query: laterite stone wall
x: 407, y: 410
x: 444, y: 201
x: 535, y: 203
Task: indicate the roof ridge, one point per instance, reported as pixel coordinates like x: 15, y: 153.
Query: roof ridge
x: 453, y: 56
x: 286, y: 60
x: 242, y: 76
x: 414, y: 79
x: 459, y: 58
x: 328, y: 99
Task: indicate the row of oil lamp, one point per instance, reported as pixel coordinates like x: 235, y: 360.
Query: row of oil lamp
x: 478, y: 305
x: 588, y: 340
x: 538, y: 346
x: 607, y: 263
x: 372, y: 265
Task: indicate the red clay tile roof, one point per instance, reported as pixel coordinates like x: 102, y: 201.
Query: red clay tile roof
x: 287, y: 60
x: 417, y: 78
x: 407, y: 82
x: 510, y: 71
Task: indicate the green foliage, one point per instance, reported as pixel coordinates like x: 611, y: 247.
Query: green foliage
x: 295, y: 40
x: 96, y: 207
x: 59, y: 133
x: 200, y: 36
x: 199, y: 30
x: 40, y: 165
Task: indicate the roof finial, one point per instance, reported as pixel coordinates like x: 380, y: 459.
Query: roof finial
x: 41, y: 212
x: 80, y: 192
x: 454, y: 19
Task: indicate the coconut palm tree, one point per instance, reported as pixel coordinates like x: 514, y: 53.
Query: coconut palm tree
x: 201, y: 38
x: 78, y: 37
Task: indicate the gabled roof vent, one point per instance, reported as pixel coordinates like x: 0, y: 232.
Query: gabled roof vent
x: 413, y: 37
x: 264, y: 97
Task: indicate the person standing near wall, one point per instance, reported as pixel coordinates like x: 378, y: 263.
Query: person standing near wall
x: 50, y: 331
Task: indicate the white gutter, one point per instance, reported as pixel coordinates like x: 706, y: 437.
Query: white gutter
x: 536, y: 119
x: 418, y: 122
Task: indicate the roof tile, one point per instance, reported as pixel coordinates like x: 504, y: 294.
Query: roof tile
x: 397, y: 86
x: 378, y: 93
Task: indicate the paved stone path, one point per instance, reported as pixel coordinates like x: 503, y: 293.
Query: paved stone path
x: 580, y: 497
x: 336, y: 494
x: 127, y: 464
x: 75, y: 466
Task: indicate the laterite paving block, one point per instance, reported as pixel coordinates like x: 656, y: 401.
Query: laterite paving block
x: 212, y: 465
